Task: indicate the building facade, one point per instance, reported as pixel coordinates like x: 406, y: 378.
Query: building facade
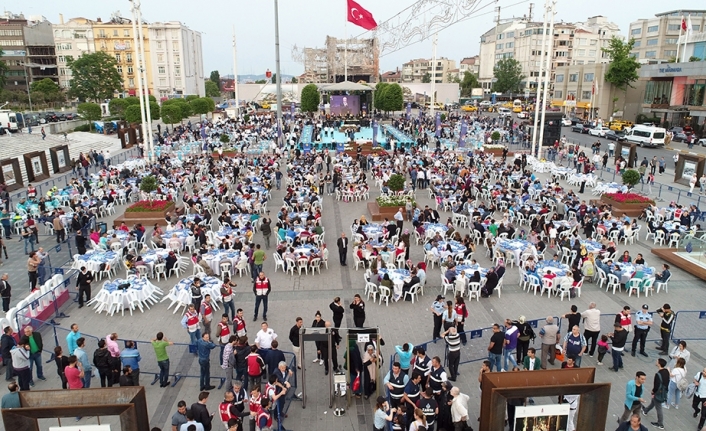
x: 674, y: 92
x: 72, y: 39
x: 469, y: 64
x: 176, y: 60
x: 414, y: 71
x: 12, y: 42
x: 115, y: 38
x: 656, y: 39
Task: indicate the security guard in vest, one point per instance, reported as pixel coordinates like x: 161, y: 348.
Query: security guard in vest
x: 643, y: 322
x: 422, y: 365
x: 395, y: 381
x: 437, y: 375
x: 412, y: 392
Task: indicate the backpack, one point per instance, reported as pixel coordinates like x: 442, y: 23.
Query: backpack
x: 683, y: 383
x: 526, y: 332
x: 661, y: 394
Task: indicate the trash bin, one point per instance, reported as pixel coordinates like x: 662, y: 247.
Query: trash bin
x: 102, y: 227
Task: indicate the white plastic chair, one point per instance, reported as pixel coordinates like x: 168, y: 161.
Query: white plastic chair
x: 614, y: 282
x: 663, y: 284
x: 633, y: 285
x: 412, y: 292
x: 474, y: 290
x: 384, y: 295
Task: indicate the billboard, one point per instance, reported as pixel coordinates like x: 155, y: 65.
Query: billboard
x: 344, y: 105
x: 552, y: 417
x: 476, y: 93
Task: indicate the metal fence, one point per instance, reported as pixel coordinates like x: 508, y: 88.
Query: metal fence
x: 689, y: 325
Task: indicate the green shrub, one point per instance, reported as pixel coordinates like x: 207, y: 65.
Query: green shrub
x: 82, y: 128
x: 225, y: 138
x: 396, y: 182
x: 631, y: 177
x: 495, y: 136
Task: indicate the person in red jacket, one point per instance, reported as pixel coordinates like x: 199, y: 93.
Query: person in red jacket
x: 261, y: 288
x: 225, y: 410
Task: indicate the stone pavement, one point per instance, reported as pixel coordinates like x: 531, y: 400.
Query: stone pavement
x: 401, y: 322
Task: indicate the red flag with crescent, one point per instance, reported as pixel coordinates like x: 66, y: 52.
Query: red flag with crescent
x: 360, y: 16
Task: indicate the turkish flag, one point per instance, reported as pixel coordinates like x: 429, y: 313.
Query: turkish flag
x: 683, y: 22
x: 360, y: 16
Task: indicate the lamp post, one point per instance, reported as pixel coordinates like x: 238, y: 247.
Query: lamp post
x: 135, y: 8
x: 27, y: 81
x: 279, y: 75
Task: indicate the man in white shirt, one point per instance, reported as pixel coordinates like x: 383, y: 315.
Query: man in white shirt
x: 459, y: 408
x: 399, y: 218
x: 265, y: 337
x: 591, y: 326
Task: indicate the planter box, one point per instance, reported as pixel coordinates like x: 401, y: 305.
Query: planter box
x: 146, y: 218
x: 619, y: 208
x: 378, y: 213
x: 215, y: 154
x: 497, y: 152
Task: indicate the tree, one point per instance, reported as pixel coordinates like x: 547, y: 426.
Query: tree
x: 90, y: 112
x: 395, y: 182
x: 47, y: 90
x: 622, y: 71
x: 171, y: 114
x: 310, y: 98
x: 379, y: 95
x: 216, y: 79
x: 184, y: 107
x: 469, y: 82
x: 94, y: 77
x: 452, y: 78
x: 3, y: 70
x: 212, y: 89
x: 117, y: 107
x: 426, y: 78
x: 294, y: 80
x: 199, y: 106
x: 261, y: 81
x: 274, y: 78
x: 694, y: 58
x: 191, y: 97
x: 393, y: 99
x: 631, y: 177
x: 508, y: 73
x: 154, y: 110
x: 132, y: 114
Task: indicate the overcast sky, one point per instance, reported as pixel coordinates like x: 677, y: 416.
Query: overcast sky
x: 306, y: 23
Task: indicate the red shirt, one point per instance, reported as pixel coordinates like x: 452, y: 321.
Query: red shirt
x: 73, y: 377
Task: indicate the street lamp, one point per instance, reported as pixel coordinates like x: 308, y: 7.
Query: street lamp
x: 27, y: 81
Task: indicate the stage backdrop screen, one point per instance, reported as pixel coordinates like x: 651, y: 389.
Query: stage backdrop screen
x: 344, y: 105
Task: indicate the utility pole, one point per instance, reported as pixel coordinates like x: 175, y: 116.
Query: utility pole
x: 136, y: 47
x: 279, y: 76
x: 235, y: 75
x: 142, y: 67
x: 529, y: 18
x: 539, y: 105
x: 548, y: 70
x: 433, y: 75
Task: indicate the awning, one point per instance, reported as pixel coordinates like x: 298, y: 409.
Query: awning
x: 346, y: 86
x: 131, y: 92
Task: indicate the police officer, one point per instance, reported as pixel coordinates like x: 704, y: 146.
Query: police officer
x: 437, y: 308
x: 643, y: 322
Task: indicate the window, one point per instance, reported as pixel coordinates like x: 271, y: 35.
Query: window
x: 581, y: 52
x: 594, y: 42
x: 637, y: 44
x: 635, y: 55
x: 499, y: 37
x: 177, y: 82
x: 652, y: 42
x: 128, y: 57
x: 635, y: 31
x: 586, y: 95
x: 10, y: 32
x: 101, y: 33
x: 177, y: 58
x: 695, y: 27
x: 126, y: 32
x: 510, y: 34
x: 499, y: 46
x: 578, y: 62
x: 159, y: 45
x: 61, y: 59
x: 160, y: 58
x: 162, y: 82
x: 671, y: 41
x: 161, y: 70
x: 130, y: 70
x: 158, y: 33
x: 673, y: 27
x: 509, y: 45
x: 175, y: 45
x: 127, y: 44
x: 13, y: 42
x: 115, y: 32
x: 587, y: 77
x: 562, y: 54
x: 177, y: 71
x: 120, y: 69
x: 558, y: 94
x: 574, y: 77
x: 653, y: 29
x: 650, y: 54
x: 131, y: 82
x: 670, y: 53
x: 591, y: 52
x: 117, y: 58
x: 583, y: 41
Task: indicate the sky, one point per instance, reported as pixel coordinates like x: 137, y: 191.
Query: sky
x: 306, y: 23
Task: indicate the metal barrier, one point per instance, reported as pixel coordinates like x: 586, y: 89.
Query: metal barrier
x: 689, y: 325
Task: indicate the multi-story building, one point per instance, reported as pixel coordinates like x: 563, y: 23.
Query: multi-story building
x: 12, y: 42
x: 416, y: 70
x: 571, y: 44
x: 391, y: 76
x: 72, y: 39
x: 469, y: 64
x: 41, y: 53
x: 176, y: 59
x: 656, y: 39
x: 115, y: 38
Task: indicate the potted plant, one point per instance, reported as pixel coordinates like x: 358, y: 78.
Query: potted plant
x: 387, y: 206
x: 495, y: 136
x: 631, y: 177
x: 396, y: 183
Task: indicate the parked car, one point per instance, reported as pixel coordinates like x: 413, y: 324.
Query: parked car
x: 50, y: 117
x: 575, y: 120
x: 468, y: 108
x: 598, y: 131
x: 523, y: 115
x: 702, y: 142
x: 61, y: 117
x: 485, y: 104
x: 566, y: 122
x: 580, y: 128
x: 70, y: 116
x: 679, y: 137
x: 612, y: 135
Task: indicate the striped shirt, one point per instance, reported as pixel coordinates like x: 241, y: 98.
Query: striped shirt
x: 453, y: 342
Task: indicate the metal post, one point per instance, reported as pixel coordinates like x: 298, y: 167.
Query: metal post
x: 279, y: 75
x: 143, y: 116
x: 433, y: 75
x: 550, y: 11
x: 142, y: 65
x: 235, y: 75
x: 28, y: 77
x: 301, y: 355
x: 541, y: 105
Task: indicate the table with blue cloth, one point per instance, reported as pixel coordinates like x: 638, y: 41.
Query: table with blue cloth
x: 303, y: 215
x: 381, y: 245
x: 560, y: 269
x: 674, y: 227
x: 151, y: 257
x: 628, y: 271
x: 214, y: 258
x: 456, y: 247
x: 373, y: 230
x: 209, y: 286
x: 436, y: 227
x: 398, y: 277
x: 233, y: 233
x: 93, y: 259
x: 592, y: 246
x: 470, y: 269
x: 242, y: 219
x: 306, y: 249
x: 516, y: 246
x: 120, y: 234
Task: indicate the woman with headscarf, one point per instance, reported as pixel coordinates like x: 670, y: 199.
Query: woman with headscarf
x: 369, y: 375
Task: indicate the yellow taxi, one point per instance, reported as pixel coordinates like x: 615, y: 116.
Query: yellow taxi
x: 469, y: 108
x: 618, y: 125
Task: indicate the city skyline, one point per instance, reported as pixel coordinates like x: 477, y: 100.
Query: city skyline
x: 256, y: 46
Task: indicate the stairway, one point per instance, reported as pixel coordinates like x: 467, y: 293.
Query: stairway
x: 15, y: 145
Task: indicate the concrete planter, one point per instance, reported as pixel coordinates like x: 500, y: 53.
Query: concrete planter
x: 629, y: 209
x: 378, y: 213
x: 147, y: 218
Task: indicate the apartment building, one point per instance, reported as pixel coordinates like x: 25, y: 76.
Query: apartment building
x: 571, y: 44
x: 656, y: 39
x: 416, y: 70
x: 176, y: 60
x: 469, y: 64
x: 72, y: 39
x: 115, y: 37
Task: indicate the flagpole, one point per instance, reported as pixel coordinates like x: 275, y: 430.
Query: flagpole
x: 686, y: 36
x: 235, y: 74
x: 345, y: 54
x: 676, y: 58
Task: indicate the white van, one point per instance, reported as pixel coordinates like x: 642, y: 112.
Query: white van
x: 646, y: 136
x: 8, y: 121
x: 504, y: 112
